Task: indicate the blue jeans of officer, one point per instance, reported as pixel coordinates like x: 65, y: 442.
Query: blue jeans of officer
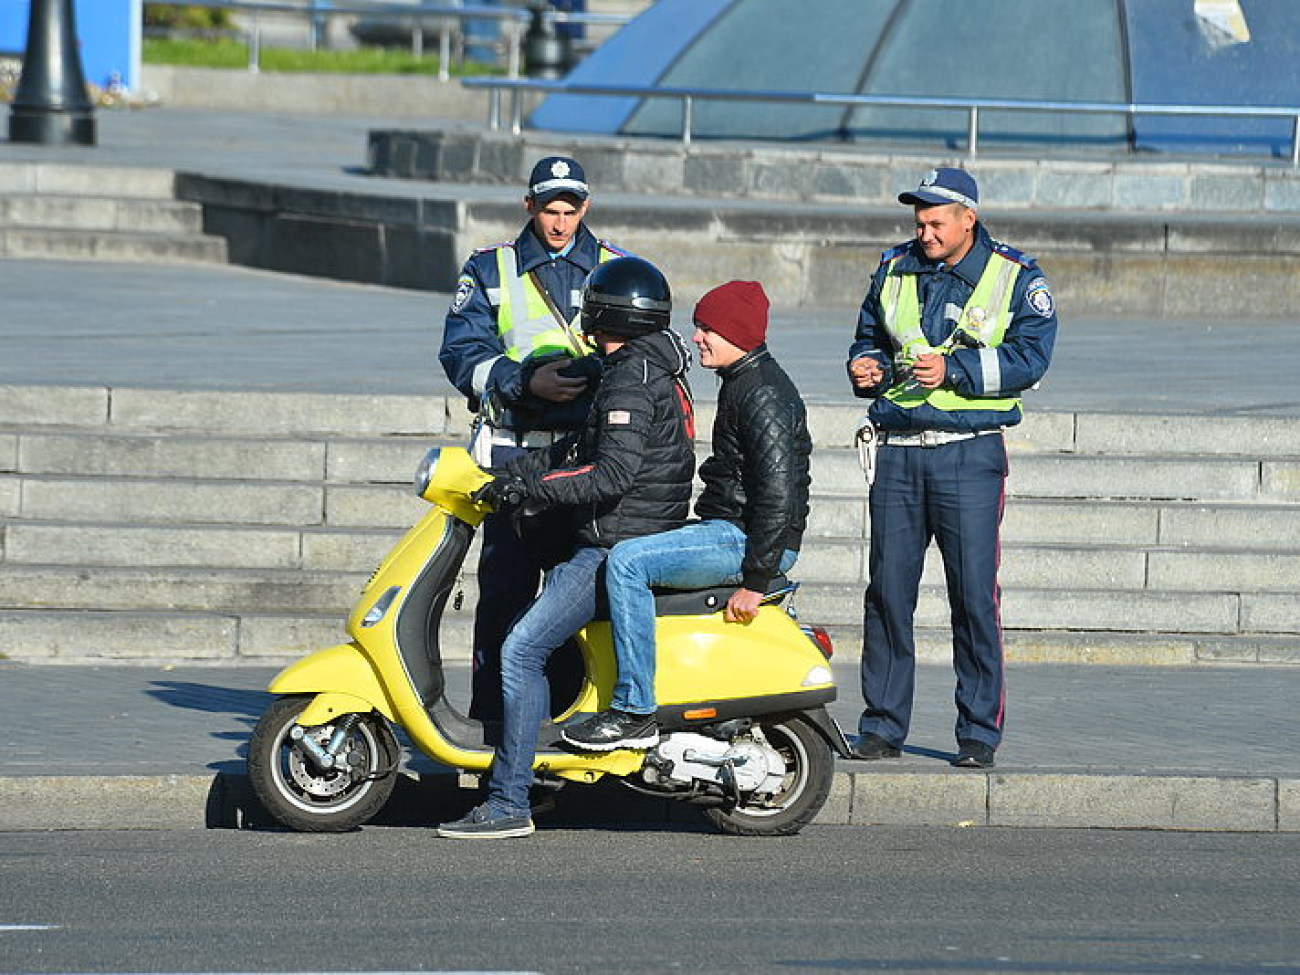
x: 566, y: 603
x: 952, y: 493
x: 702, y: 554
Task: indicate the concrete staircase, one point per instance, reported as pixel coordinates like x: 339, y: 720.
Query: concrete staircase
x: 235, y: 526
x: 99, y: 213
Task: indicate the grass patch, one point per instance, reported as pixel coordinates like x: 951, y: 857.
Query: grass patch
x: 228, y: 53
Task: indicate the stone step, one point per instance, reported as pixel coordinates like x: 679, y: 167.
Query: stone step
x: 216, y: 457
x: 200, y: 413
x: 52, y: 636
x: 22, y: 243
x: 1218, y: 613
x: 99, y: 213
x: 178, y: 590
x: 934, y: 645
x: 1043, y: 588
x: 222, y: 413
x: 57, y: 179
x: 393, y: 459
x: 1110, y: 476
x: 1266, y: 516
x: 204, y: 570
x: 158, y: 638
x: 302, y: 503
x: 104, y: 546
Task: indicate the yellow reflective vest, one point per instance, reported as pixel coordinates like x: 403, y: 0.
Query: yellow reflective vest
x: 528, y: 323
x: 986, y: 317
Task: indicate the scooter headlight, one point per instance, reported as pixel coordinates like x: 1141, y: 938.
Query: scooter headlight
x: 424, y: 472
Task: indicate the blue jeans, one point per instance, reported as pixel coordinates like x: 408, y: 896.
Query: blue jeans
x: 696, y: 556
x: 952, y: 494
x: 565, y: 605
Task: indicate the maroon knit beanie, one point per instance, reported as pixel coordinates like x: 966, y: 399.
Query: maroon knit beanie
x: 737, y: 311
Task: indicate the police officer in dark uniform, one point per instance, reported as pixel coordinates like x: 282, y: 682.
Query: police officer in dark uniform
x: 511, y: 345
x: 953, y: 328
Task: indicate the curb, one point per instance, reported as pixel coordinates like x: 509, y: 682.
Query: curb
x: 1044, y: 799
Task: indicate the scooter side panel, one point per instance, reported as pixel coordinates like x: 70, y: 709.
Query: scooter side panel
x: 339, y: 670
x: 705, y: 658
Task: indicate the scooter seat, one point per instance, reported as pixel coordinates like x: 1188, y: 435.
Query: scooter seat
x: 691, y: 602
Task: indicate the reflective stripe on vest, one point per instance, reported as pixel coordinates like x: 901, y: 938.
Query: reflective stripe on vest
x: 986, y: 317
x: 525, y: 322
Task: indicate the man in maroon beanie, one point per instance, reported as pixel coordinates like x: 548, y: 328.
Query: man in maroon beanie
x: 752, y: 511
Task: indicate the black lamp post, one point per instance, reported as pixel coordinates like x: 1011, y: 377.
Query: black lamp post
x: 50, y: 105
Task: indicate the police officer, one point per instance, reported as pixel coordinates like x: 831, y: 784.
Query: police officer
x: 953, y: 328
x: 510, y: 344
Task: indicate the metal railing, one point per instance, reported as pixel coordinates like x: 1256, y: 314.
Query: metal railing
x: 971, y: 106
x: 513, y: 20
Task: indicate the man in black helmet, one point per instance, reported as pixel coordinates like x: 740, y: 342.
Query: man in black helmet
x: 630, y: 471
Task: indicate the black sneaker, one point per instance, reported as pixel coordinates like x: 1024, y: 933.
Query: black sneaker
x: 871, y: 748
x: 608, y: 730
x: 973, y: 754
x: 482, y: 823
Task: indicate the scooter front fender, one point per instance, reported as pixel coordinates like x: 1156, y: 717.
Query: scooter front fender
x: 343, y: 681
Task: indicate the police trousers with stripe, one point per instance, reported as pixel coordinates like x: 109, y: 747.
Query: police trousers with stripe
x: 954, y: 494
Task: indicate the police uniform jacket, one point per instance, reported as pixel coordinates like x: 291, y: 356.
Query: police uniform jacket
x: 1020, y: 360
x: 629, y: 471
x: 472, y: 352
x: 757, y: 477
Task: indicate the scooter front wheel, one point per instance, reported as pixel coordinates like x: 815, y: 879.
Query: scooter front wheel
x: 809, y: 773
x: 288, y: 775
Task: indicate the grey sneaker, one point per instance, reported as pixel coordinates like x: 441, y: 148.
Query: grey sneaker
x: 608, y: 730
x: 482, y: 823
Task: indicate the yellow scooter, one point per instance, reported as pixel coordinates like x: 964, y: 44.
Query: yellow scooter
x: 744, y: 729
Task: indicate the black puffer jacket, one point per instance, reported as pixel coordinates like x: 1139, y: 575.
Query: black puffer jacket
x: 630, y: 470
x: 758, y: 475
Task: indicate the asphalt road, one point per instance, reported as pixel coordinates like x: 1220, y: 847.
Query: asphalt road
x: 644, y: 900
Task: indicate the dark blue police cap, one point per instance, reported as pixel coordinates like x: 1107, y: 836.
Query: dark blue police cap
x: 944, y: 185
x: 555, y: 176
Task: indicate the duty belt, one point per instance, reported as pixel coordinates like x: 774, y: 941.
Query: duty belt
x: 927, y: 438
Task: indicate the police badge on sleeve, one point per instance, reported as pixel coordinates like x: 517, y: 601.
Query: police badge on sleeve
x: 1039, y: 297
x: 464, y: 288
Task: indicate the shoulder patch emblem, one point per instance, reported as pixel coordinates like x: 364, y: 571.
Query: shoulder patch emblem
x: 464, y: 288
x: 1039, y: 297
x: 893, y: 253
x: 618, y: 418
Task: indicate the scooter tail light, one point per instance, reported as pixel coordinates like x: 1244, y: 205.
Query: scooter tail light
x: 821, y: 640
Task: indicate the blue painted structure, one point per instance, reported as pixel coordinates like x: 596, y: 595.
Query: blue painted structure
x: 108, y: 32
x: 1112, y: 51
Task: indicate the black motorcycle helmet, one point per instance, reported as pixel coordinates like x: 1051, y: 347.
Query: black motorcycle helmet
x: 627, y: 297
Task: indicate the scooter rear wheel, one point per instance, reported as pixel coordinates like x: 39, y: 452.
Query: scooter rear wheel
x: 809, y: 772
x: 305, y: 797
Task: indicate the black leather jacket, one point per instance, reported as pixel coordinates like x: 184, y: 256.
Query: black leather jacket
x: 757, y: 477
x: 630, y: 471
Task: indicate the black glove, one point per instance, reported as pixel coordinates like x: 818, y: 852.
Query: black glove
x: 504, y: 493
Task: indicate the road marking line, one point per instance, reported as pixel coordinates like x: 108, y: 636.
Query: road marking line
x: 28, y: 927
